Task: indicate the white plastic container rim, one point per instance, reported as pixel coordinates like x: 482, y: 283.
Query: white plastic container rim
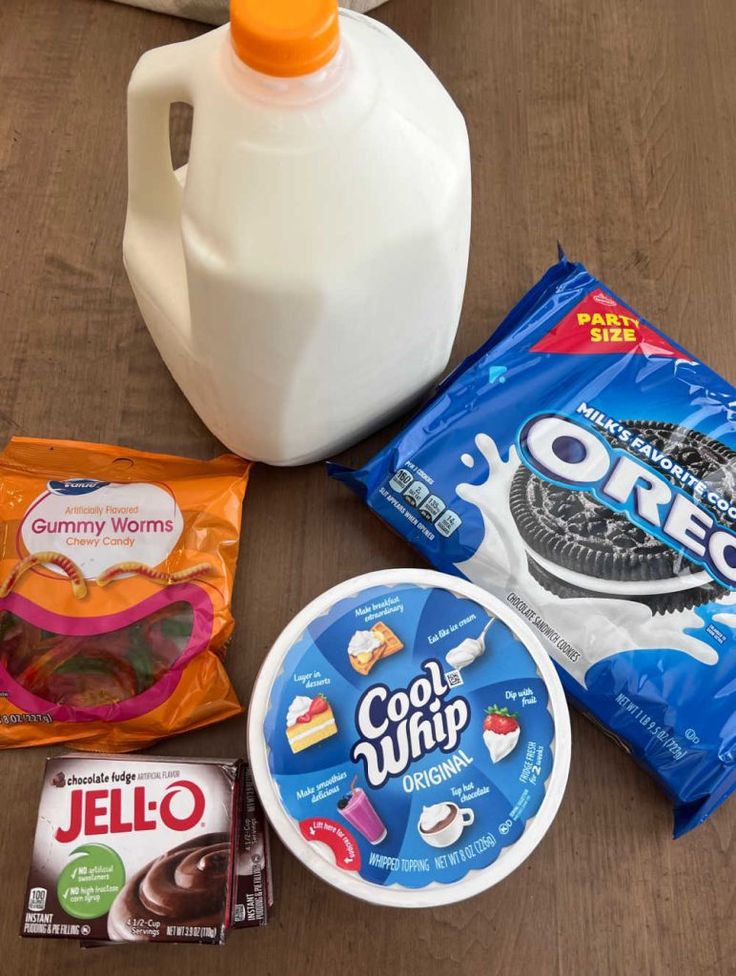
x: 397, y: 895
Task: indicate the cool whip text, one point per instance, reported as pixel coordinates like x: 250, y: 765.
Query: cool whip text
x: 398, y: 727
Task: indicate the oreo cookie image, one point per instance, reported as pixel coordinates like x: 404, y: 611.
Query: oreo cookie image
x: 578, y: 547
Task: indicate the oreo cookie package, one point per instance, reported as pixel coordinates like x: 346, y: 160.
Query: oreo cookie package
x: 582, y: 466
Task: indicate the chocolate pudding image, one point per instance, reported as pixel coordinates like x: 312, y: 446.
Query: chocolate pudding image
x: 186, y: 886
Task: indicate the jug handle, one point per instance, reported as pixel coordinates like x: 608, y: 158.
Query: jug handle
x: 161, y: 77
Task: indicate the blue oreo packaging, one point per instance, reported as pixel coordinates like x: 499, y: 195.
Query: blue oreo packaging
x: 581, y: 466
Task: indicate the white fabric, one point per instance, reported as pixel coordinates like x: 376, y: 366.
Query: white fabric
x: 216, y: 11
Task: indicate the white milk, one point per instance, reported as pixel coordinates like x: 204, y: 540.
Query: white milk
x: 303, y: 277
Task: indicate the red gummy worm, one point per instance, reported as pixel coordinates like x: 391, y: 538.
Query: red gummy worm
x: 142, y: 569
x: 64, y: 563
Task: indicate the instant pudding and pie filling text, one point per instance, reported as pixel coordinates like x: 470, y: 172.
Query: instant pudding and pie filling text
x: 116, y: 570
x: 581, y: 466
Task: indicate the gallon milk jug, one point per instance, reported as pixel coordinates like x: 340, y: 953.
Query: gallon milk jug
x: 302, y: 276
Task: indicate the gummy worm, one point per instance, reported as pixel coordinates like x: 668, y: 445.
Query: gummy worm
x: 64, y: 563
x: 142, y: 569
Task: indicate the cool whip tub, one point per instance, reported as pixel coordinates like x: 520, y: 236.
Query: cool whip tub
x: 397, y: 768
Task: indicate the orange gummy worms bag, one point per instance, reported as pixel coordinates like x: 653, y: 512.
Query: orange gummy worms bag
x: 116, y: 571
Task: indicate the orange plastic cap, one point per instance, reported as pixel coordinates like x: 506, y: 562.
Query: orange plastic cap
x: 285, y: 37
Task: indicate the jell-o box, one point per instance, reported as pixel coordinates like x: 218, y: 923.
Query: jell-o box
x: 137, y: 850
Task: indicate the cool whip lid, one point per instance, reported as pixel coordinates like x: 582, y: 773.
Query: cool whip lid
x: 409, y: 738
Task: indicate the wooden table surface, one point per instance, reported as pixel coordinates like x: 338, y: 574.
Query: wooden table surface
x: 607, y: 124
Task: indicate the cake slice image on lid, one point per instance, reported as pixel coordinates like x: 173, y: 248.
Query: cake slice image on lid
x: 309, y: 721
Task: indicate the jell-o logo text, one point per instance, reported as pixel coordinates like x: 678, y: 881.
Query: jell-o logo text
x: 399, y: 727
x: 105, y: 811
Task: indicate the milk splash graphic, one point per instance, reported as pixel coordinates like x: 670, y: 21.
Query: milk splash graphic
x: 602, y: 627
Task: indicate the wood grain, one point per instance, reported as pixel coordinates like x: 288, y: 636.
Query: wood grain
x: 607, y: 124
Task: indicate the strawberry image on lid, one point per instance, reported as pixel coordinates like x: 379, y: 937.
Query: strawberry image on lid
x: 501, y: 731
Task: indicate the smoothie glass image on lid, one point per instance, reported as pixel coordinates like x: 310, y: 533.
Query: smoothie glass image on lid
x: 397, y: 768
